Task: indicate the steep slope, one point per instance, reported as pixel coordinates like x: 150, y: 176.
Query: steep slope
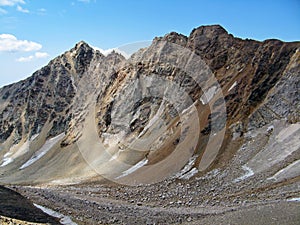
x: 181, y: 107
x: 36, y: 112
x: 44, y: 97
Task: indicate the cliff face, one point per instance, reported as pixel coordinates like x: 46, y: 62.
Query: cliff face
x: 182, y: 98
x: 45, y: 97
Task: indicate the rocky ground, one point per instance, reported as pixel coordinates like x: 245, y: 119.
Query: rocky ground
x: 205, y: 200
x: 258, y: 187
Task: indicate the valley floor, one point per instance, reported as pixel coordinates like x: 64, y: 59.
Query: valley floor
x: 172, y: 202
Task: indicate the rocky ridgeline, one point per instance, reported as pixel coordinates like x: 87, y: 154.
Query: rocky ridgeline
x: 45, y: 97
x: 259, y: 82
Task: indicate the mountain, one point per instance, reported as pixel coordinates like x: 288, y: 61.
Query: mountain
x: 210, y: 107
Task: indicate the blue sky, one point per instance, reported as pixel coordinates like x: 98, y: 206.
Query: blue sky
x: 33, y: 31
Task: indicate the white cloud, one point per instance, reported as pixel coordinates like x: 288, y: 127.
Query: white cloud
x: 11, y: 2
x: 37, y: 55
x: 25, y: 59
x: 20, y: 9
x: 40, y: 55
x: 2, y: 11
x: 9, y: 43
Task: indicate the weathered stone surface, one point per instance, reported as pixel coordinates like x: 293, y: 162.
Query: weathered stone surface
x: 153, y: 92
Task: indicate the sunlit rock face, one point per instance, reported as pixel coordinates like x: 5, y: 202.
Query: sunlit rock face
x: 202, y: 97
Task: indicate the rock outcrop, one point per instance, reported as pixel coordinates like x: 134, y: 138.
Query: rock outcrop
x: 181, y: 98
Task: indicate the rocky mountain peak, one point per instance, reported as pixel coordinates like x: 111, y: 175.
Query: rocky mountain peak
x: 176, y: 38
x: 82, y: 45
x: 209, y: 31
x: 202, y: 35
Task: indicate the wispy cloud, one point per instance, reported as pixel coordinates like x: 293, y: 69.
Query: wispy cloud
x: 25, y: 59
x: 41, y: 55
x: 11, y: 2
x: 37, y: 55
x: 42, y: 10
x: 9, y: 43
x: 86, y: 1
x: 20, y: 9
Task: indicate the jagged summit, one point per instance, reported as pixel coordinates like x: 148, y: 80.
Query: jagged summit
x: 202, y: 32
x: 82, y: 46
x: 210, y: 30
x: 82, y: 43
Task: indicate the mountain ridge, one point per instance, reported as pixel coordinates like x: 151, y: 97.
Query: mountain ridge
x: 249, y: 73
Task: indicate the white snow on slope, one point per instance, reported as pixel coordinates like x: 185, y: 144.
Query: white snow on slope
x: 232, y: 86
x: 34, y: 137
x: 12, y: 154
x: 249, y: 173
x: 186, y: 168
x: 189, y: 174
x: 6, y: 160
x: 43, y: 150
x: 133, y: 168
x: 65, y: 220
x: 293, y: 199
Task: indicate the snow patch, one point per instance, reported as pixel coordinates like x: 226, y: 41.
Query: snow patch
x: 34, y: 137
x: 65, y: 220
x: 189, y: 174
x: 249, y: 173
x: 6, y: 161
x: 11, y: 155
x: 186, y: 168
x: 293, y: 199
x: 133, y: 168
x: 43, y: 150
x: 232, y: 86
x: 189, y: 109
